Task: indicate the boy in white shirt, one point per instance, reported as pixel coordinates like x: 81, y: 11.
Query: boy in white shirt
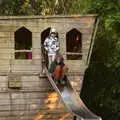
x: 51, y: 45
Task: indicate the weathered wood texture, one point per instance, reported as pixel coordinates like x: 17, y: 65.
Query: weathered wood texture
x: 8, y: 26
x: 35, y: 99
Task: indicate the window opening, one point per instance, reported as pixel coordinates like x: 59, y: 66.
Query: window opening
x: 74, y: 45
x: 23, y: 44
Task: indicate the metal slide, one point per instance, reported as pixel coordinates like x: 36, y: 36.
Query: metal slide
x: 72, y: 100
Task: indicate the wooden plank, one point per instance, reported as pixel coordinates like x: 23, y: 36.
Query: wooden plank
x: 36, y: 40
x: 37, y: 61
x: 28, y: 72
x: 36, y: 89
x: 30, y: 95
x: 4, y: 62
x: 4, y: 85
x: 67, y: 116
x: 77, y: 65
x: 5, y: 107
x: 7, y: 50
x: 5, y: 39
x: 6, y: 45
x: 26, y: 68
x: 4, y: 34
x: 4, y: 68
x: 21, y: 62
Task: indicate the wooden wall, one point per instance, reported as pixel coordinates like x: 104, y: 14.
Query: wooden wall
x: 35, y: 99
x: 8, y: 26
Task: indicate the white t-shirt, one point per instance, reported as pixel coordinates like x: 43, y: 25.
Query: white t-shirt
x: 51, y: 45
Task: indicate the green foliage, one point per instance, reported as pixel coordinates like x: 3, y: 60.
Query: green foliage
x: 16, y: 7
x: 101, y: 88
x: 101, y: 91
x: 26, y: 8
x: 79, y: 6
x: 43, y: 7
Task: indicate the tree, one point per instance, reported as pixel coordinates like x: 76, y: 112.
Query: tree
x: 101, y: 89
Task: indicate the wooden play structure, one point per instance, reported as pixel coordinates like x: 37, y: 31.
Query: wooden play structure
x: 25, y: 92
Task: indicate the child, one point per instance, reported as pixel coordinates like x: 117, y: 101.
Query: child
x: 58, y: 70
x: 51, y: 45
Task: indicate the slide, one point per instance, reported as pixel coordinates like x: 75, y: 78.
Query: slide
x: 72, y: 100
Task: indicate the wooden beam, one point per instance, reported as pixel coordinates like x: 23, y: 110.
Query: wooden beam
x: 92, y: 41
